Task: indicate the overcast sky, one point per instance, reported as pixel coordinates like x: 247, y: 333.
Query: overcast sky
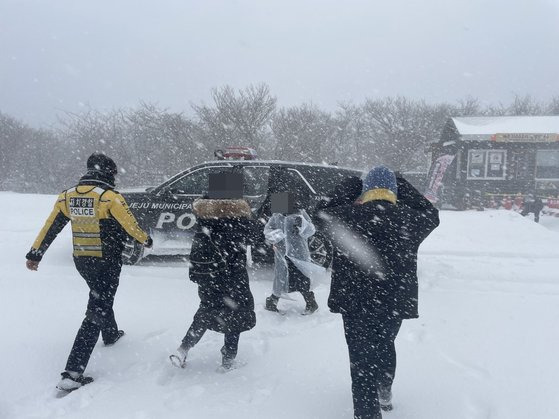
x: 62, y: 55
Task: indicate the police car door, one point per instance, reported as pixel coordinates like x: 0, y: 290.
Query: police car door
x: 256, y: 178
x: 174, y: 226
x: 256, y: 185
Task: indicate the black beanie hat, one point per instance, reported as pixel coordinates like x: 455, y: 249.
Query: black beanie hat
x: 101, y: 163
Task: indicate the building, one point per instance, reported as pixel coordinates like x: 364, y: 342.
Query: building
x: 483, y: 160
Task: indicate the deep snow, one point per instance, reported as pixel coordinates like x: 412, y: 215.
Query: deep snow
x: 485, y: 345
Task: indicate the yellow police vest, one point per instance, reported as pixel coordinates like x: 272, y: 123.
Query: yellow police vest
x: 85, y: 211
x: 86, y: 206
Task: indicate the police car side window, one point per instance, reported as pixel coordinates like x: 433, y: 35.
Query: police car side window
x: 323, y: 179
x: 195, y: 183
x: 298, y: 181
x: 256, y: 180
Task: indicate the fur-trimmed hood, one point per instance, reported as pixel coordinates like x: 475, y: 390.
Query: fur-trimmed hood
x: 221, y: 208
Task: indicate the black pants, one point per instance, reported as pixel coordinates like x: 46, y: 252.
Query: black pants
x: 525, y: 212
x: 197, y: 330
x: 297, y: 280
x: 102, y: 276
x: 372, y: 357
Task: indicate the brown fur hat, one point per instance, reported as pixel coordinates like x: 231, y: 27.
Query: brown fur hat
x: 221, y: 208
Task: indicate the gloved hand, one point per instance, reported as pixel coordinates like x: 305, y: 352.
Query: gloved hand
x: 32, y: 265
x: 148, y: 243
x: 296, y: 226
x: 275, y: 236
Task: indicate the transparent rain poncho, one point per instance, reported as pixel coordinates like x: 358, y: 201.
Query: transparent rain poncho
x: 289, y: 235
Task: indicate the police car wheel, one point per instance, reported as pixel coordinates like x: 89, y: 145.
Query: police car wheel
x: 321, y: 250
x: 132, y: 253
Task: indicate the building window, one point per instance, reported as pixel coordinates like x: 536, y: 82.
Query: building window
x: 486, y: 164
x: 547, y: 164
x: 521, y: 165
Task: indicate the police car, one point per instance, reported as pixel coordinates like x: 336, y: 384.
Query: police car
x: 165, y: 211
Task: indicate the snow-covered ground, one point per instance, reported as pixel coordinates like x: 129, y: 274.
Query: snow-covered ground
x: 485, y: 345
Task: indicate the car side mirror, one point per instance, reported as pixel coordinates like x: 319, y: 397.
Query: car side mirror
x: 165, y: 192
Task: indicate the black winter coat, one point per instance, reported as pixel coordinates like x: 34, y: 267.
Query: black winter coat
x: 374, y: 268
x: 218, y: 264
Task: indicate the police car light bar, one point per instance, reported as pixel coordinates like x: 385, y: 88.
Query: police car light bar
x: 237, y: 153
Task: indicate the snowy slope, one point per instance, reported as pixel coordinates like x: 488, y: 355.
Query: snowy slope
x: 484, y: 347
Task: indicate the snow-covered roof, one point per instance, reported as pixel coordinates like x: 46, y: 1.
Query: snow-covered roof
x: 480, y: 128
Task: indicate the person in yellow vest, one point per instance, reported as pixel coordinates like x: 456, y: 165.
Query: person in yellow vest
x: 101, y: 222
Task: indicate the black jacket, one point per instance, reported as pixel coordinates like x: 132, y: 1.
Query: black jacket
x: 374, y: 267
x: 345, y: 193
x: 218, y: 263
x: 534, y: 206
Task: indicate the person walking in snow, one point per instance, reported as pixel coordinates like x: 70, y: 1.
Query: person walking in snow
x: 289, y: 230
x: 534, y: 205
x: 101, y: 223
x: 225, y: 227
x: 374, y: 278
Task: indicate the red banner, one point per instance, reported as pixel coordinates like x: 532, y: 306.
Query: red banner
x: 438, y: 170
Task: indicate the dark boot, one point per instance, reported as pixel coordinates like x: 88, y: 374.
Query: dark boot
x: 377, y: 416
x: 118, y: 336
x: 272, y: 303
x: 385, y: 397
x: 227, y: 359
x: 311, y: 305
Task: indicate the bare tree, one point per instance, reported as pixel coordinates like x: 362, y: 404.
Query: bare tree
x: 394, y: 130
x: 552, y: 107
x: 523, y: 106
x: 468, y: 106
x: 30, y: 158
x: 237, y: 118
x: 303, y: 133
x: 351, y: 136
x: 150, y: 143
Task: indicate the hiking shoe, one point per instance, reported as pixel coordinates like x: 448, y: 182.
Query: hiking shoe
x: 227, y: 359
x: 118, y: 336
x: 227, y: 363
x: 311, y: 307
x: 178, y: 359
x: 272, y: 303
x: 72, y: 381
x: 311, y: 304
x: 385, y: 397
